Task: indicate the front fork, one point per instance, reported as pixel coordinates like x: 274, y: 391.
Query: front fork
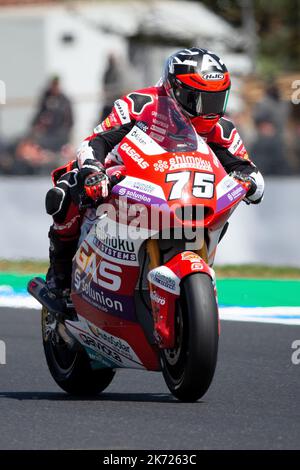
x: 154, y: 253
x: 164, y: 282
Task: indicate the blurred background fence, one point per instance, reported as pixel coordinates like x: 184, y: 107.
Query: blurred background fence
x: 63, y: 63
x: 264, y: 234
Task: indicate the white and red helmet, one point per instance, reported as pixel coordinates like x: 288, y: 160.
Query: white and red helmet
x: 199, y: 81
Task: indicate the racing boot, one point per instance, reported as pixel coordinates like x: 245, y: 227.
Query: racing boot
x: 59, y: 274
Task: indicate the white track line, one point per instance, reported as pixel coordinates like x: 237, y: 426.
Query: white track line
x: 279, y: 315
x: 19, y: 301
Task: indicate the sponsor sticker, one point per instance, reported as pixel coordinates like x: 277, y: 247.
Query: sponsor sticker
x: 157, y: 298
x: 91, y: 292
x: 136, y: 195
x: 228, y: 190
x: 165, y: 278
x: 213, y: 76
x: 161, y: 166
x: 108, y: 123
x: 157, y: 137
x: 164, y: 281
x: 138, y: 137
x: 142, y: 125
x: 135, y: 156
x: 114, y: 342
x: 159, y: 129
x: 142, y: 186
x: 244, y: 155
x: 190, y: 256
x: 115, y: 247
x: 122, y: 111
x: 159, y: 123
x: 144, y: 141
x: 226, y: 185
x: 183, y: 162
x: 102, y: 348
x: 145, y: 187
x: 162, y: 117
x: 122, y: 191
x: 235, y: 193
x: 98, y: 129
x: 196, y: 266
x: 236, y: 143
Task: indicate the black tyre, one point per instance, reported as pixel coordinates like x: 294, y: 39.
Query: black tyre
x: 71, y: 370
x: 189, y: 368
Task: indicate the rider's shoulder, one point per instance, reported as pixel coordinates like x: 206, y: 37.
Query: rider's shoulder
x: 137, y: 100
x: 224, y: 130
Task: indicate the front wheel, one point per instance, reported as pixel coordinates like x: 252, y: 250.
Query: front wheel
x: 71, y: 370
x: 189, y: 368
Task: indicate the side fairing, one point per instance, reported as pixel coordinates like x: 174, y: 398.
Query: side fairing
x: 165, y: 291
x: 105, y: 275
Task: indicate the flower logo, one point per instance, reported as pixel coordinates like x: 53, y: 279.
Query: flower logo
x: 161, y: 166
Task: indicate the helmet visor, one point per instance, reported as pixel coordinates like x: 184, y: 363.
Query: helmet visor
x: 201, y: 102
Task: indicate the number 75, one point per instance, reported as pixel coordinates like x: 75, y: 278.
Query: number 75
x: 203, y: 184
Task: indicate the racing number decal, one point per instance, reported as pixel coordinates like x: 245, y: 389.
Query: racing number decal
x: 180, y: 179
x: 203, y: 185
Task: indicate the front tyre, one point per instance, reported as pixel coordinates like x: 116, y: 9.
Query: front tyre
x: 189, y: 368
x: 71, y: 370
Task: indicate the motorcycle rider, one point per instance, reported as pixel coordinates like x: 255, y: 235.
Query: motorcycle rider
x: 200, y: 83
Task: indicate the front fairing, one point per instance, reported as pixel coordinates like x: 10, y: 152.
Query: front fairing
x: 168, y: 163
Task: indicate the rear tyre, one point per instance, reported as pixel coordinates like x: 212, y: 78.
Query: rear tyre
x: 189, y: 368
x: 71, y: 370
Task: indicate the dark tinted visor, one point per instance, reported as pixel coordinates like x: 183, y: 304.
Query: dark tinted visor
x: 201, y: 102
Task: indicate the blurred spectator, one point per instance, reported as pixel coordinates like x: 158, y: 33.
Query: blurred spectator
x: 294, y: 137
x: 53, y: 122
x: 113, y: 84
x: 29, y: 158
x: 268, y: 148
x: 46, y: 145
x: 5, y: 158
x: 272, y: 108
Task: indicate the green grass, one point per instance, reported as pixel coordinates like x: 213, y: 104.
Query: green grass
x: 23, y: 266
x: 257, y: 271
x: 253, y: 271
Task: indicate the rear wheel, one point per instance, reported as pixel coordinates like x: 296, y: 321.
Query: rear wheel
x: 189, y: 368
x: 70, y: 369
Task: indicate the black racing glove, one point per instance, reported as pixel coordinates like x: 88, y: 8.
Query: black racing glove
x: 93, y: 183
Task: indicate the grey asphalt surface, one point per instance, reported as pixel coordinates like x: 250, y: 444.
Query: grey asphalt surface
x: 253, y: 403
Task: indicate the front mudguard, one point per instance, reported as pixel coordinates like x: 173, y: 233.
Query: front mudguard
x: 164, y: 284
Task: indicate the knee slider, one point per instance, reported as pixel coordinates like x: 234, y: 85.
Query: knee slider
x: 54, y: 200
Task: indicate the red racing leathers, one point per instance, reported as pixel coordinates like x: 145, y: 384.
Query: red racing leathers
x: 62, y: 201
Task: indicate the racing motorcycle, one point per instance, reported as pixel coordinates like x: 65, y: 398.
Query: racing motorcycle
x: 143, y: 290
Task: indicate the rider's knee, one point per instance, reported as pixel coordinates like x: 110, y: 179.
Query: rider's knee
x: 55, y: 199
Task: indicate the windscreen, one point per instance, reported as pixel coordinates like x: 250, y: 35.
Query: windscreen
x: 165, y: 123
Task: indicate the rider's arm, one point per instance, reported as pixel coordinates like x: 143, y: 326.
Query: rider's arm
x: 228, y: 146
x: 245, y: 167
x: 106, y: 136
x: 103, y: 142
